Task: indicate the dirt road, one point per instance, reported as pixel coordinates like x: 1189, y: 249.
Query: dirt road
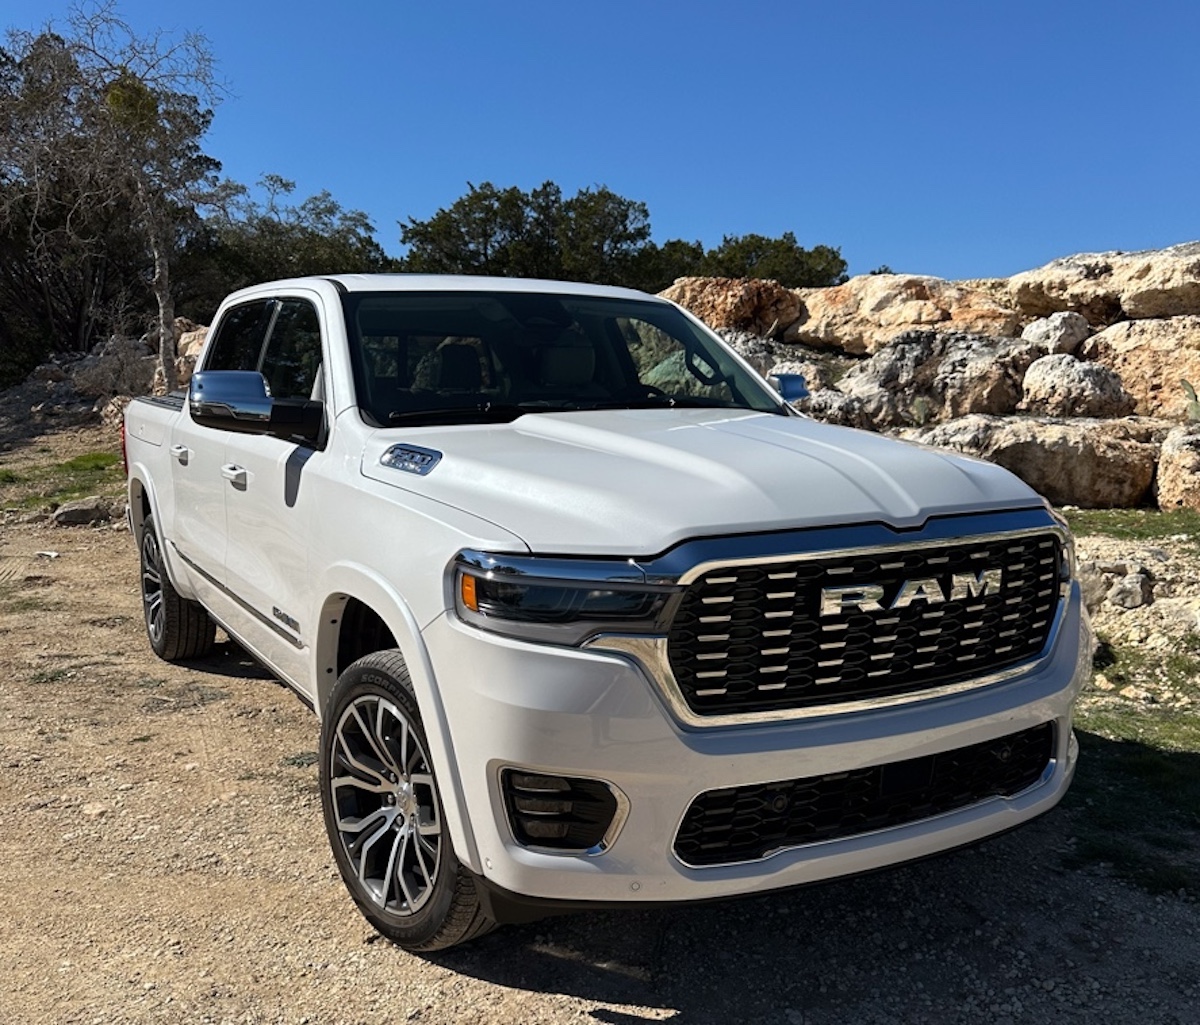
x: 162, y: 859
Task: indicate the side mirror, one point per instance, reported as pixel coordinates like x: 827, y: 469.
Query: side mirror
x: 790, y: 386
x: 238, y: 400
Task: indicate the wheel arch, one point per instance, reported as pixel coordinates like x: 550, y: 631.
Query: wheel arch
x: 358, y: 590
x: 144, y: 502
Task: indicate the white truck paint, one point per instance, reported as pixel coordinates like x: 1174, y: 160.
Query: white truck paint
x: 578, y: 467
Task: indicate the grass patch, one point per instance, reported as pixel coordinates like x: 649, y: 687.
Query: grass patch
x: 301, y: 760
x: 92, y: 473
x: 1178, y: 668
x: 1134, y: 524
x: 49, y: 675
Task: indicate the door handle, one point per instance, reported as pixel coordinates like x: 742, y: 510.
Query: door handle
x: 181, y: 452
x: 235, y: 474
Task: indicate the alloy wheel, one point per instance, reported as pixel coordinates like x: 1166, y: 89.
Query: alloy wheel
x: 386, y: 805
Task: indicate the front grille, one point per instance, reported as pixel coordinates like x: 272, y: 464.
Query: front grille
x: 750, y: 638
x: 750, y: 822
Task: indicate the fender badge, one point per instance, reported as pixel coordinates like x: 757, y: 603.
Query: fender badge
x: 411, y: 459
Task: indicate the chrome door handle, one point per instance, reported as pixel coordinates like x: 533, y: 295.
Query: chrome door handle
x: 235, y: 474
x: 181, y: 452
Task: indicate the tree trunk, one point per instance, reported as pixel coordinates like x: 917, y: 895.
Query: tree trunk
x: 162, y: 294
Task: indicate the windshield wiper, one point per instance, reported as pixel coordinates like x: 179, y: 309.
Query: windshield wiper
x: 488, y: 412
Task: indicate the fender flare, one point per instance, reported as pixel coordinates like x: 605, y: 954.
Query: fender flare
x: 346, y: 580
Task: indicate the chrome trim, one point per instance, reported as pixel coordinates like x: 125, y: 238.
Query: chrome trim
x: 563, y: 570
x: 691, y: 575
x: 610, y: 834
x: 274, y: 627
x: 411, y: 459
x: 650, y: 654
x: 1044, y: 779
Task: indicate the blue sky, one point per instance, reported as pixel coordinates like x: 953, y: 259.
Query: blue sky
x: 960, y: 139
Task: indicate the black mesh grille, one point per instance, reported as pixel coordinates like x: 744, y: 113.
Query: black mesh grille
x: 747, y: 823
x: 753, y: 638
x: 560, y: 812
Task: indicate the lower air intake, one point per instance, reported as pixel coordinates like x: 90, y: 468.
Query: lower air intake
x: 751, y: 822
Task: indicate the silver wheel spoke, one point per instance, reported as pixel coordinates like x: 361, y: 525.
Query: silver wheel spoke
x: 390, y: 875
x: 381, y: 735
x: 354, y: 763
x: 369, y: 736
x: 361, y: 784
x: 357, y: 825
x: 419, y: 858
x: 402, y: 877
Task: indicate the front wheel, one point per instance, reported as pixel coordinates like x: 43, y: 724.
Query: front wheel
x: 383, y: 812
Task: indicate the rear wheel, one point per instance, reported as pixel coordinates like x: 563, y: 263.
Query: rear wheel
x: 178, y: 629
x: 383, y: 812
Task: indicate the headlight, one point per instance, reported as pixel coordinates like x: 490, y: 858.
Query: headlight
x: 556, y: 601
x: 1068, y: 539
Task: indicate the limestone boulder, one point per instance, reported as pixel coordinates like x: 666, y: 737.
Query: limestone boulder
x: 867, y: 312
x: 1178, y: 481
x: 926, y: 376
x: 1061, y: 385
x: 1106, y: 287
x: 1153, y: 358
x: 82, y: 511
x: 1094, y: 464
x: 121, y: 366
x: 1059, y: 332
x: 834, y: 407
x: 191, y: 342
x: 762, y: 307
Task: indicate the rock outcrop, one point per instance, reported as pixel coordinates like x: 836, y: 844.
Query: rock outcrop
x: 866, y: 313
x: 1107, y: 287
x: 926, y: 376
x: 1153, y: 358
x: 765, y: 308
x: 1061, y: 385
x: 1094, y: 464
x: 1178, y: 482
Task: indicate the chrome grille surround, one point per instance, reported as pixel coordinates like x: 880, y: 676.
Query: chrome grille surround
x: 653, y: 654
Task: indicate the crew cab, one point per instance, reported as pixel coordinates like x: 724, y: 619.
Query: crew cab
x: 589, y: 614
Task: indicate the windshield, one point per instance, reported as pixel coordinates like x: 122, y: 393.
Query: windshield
x: 445, y: 357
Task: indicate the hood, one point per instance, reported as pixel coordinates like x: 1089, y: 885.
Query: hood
x: 636, y: 482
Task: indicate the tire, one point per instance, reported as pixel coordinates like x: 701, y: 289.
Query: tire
x: 384, y: 816
x: 178, y: 629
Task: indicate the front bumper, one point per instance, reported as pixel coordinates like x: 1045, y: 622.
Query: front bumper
x: 598, y: 715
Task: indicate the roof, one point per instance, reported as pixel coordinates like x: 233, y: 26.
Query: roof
x: 458, y: 283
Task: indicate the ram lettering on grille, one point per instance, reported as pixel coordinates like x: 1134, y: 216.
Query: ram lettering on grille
x: 869, y: 597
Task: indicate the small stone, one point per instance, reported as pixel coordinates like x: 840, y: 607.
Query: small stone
x: 1131, y: 592
x: 94, y: 810
x: 82, y: 511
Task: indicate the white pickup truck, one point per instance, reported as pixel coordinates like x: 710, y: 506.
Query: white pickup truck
x: 589, y: 615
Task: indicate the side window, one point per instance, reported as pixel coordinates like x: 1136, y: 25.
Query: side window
x: 239, y: 339
x: 292, y: 360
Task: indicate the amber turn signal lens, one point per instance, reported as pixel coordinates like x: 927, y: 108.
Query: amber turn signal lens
x: 468, y: 592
